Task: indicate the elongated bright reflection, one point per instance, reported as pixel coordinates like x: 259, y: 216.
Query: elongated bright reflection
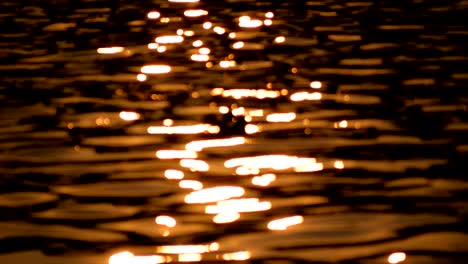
x: 110, y: 50
x: 191, y: 184
x: 197, y: 43
x: 176, y: 154
x: 190, y: 257
x: 195, y: 13
x: 276, y: 162
x: 282, y: 117
x: 239, y: 256
x: 202, y: 144
x: 184, y: 1
x: 252, y: 129
x: 302, y: 96
x: 309, y: 167
x: 238, y: 45
x: 316, y: 85
x: 154, y: 15
x: 339, y: 164
x: 214, y: 194
x: 280, y: 39
x: 195, y: 165
x: 264, y: 180
x: 165, y: 220
x: 129, y: 116
x: 238, y: 205
x: 194, y: 129
x: 207, y: 25
x: 183, y: 249
x: 141, y: 77
x: 174, y: 174
x: 227, y: 63
x: 199, y: 57
x: 396, y: 257
x: 219, y: 30
x: 155, y: 69
x: 284, y: 223
x: 249, y: 23
x: 127, y: 257
x: 124, y: 257
x: 226, y: 217
x: 169, y: 39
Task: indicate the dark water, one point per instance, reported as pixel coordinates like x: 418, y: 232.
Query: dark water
x: 326, y: 132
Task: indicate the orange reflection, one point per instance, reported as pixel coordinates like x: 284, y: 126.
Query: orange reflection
x: 207, y: 25
x: 241, y: 93
x: 184, y: 249
x: 194, y: 129
x: 161, y: 49
x: 219, y: 30
x: 195, y: 165
x: 267, y: 22
x: 141, y: 77
x: 214, y: 194
x: 264, y: 180
x: 199, y: 57
x: 248, y: 22
x: 169, y: 39
x: 110, y: 50
x: 310, y: 167
x: 285, y: 223
x: 174, y: 174
x: 195, y: 13
x: 197, y: 43
x: 124, y: 257
x: 204, y: 51
x: 283, y: 117
x: 302, y: 96
x: 129, y: 116
x: 238, y: 205
x: 396, y: 257
x: 154, y: 15
x: 338, y: 164
x: 280, y: 39
x: 252, y: 129
x: 176, y: 154
x: 127, y: 257
x: 316, y: 85
x: 155, y: 69
x: 269, y: 15
x: 239, y: 256
x: 191, y: 184
x: 202, y: 144
x: 276, y: 162
x: 190, y: 257
x: 238, y: 45
x: 226, y: 217
x: 227, y: 63
x: 165, y: 221
x: 184, y: 1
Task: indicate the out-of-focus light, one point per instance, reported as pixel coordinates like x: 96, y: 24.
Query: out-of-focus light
x: 156, y: 69
x: 251, y: 129
x: 189, y: 33
x: 277, y: 162
x: 195, y: 129
x: 269, y: 15
x: 214, y: 194
x: 343, y: 124
x: 174, y: 174
x: 219, y: 30
x: 204, y: 51
x: 226, y: 217
x: 257, y: 112
x: 165, y: 20
x: 168, y: 122
x: 247, y: 171
x: 396, y: 257
x: 184, y: 1
x: 180, y: 32
x: 264, y: 180
x: 161, y: 49
x: 197, y: 43
x: 284, y: 223
x: 153, y: 46
x: 183, y: 249
x: 207, y: 25
x: 227, y: 64
x: 176, y: 154
x: 154, y: 15
x: 191, y: 184
x: 238, y: 45
x: 238, y: 111
x: 190, y: 257
x: 281, y: 117
x: 165, y: 221
x: 240, y: 93
x: 195, y: 165
x: 338, y: 164
x: 199, y: 57
x: 280, y: 39
x: 248, y: 22
x: 232, y: 35
x: 238, y: 205
x: 202, y: 144
x: 316, y: 85
x: 303, y: 96
x: 169, y: 39
x: 223, y: 109
x: 129, y: 116
x: 195, y: 13
x: 267, y: 22
x: 141, y: 77
x: 239, y: 256
x: 110, y: 50
x: 124, y: 257
x: 310, y: 167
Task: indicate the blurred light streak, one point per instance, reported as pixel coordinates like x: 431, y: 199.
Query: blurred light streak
x: 238, y: 45
x: 281, y: 117
x: 195, y: 165
x: 154, y: 15
x: 176, y: 154
x: 174, y: 174
x: 165, y: 221
x: 199, y: 57
x: 190, y: 257
x: 244, y: 205
x: 338, y: 164
x: 252, y: 129
x: 226, y: 217
x: 169, y: 39
x: 156, y: 69
x: 280, y: 39
x: 194, y: 129
x: 202, y: 144
x: 142, y: 77
x: 214, y: 194
x: 239, y: 256
x: 264, y: 180
x: 207, y: 25
x: 129, y: 116
x: 302, y: 96
x: 284, y: 223
x: 396, y: 257
x: 195, y: 13
x: 191, y: 184
x: 197, y: 43
x: 110, y: 50
x: 316, y: 85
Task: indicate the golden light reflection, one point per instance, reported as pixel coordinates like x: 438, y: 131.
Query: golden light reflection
x: 238, y: 111
x: 176, y: 154
x: 310, y: 167
x: 127, y: 257
x: 239, y: 256
x: 232, y: 35
x: 264, y: 180
x: 161, y: 49
x: 276, y: 162
x: 269, y: 15
x: 214, y: 194
x: 110, y: 50
x: 174, y: 174
x: 241, y: 93
x: 285, y: 223
x: 184, y: 1
x: 165, y: 221
x: 197, y: 43
x: 223, y: 109
x: 124, y: 257
x: 195, y: 165
x: 267, y: 22
x: 219, y: 30
x: 281, y: 117
x: 154, y: 15
x: 341, y: 124
x: 169, y: 39
x: 189, y: 33
x: 207, y: 25
x: 202, y: 144
x: 226, y: 217
x: 129, y: 116
x: 238, y: 205
x: 280, y: 39
x: 302, y: 96
x: 183, y: 249
x: 227, y: 63
x: 156, y: 69
x: 204, y: 51
x: 191, y: 184
x: 248, y: 22
x: 238, y: 45
x: 180, y: 32
x: 396, y: 257
x: 199, y: 57
x: 190, y: 257
x: 316, y: 85
x: 195, y: 13
x: 141, y: 77
x: 168, y: 122
x: 252, y: 129
x: 338, y: 164
x: 247, y: 171
x: 194, y: 129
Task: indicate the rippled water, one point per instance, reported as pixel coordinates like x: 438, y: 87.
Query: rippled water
x: 233, y: 131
